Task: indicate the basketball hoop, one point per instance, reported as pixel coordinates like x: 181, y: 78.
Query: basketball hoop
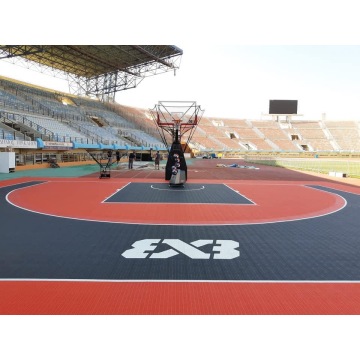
x: 176, y: 118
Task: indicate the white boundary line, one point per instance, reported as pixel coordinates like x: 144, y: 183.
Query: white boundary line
x: 328, y: 187
x: 174, y: 203
x: 202, y: 188
x: 23, y: 182
x: 189, y: 281
x: 175, y: 224
x: 110, y: 202
x: 240, y: 194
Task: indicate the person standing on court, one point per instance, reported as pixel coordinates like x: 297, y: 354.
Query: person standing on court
x: 109, y: 155
x: 157, y: 161
x: 117, y: 156
x: 131, y: 159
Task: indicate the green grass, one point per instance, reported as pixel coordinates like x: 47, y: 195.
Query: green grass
x: 69, y: 171
x: 349, y: 167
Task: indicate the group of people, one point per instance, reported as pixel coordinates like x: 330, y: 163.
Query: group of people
x: 109, y: 155
x: 132, y: 157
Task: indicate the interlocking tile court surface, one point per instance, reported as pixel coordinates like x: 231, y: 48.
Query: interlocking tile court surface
x: 239, y: 241
x: 188, y: 194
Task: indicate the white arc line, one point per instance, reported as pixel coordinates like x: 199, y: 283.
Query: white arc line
x: 202, y: 188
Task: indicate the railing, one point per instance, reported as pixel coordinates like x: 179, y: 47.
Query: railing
x: 41, y: 158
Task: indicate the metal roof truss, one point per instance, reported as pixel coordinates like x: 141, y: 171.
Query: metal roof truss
x: 96, y: 70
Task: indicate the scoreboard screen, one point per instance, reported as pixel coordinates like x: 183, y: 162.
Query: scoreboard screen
x: 283, y: 107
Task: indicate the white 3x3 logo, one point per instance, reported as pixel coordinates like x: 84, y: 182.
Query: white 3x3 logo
x: 221, y: 249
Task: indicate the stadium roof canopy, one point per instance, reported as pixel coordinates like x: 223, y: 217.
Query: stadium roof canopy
x: 98, y: 70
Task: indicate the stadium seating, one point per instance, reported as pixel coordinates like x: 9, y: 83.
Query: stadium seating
x: 71, y: 118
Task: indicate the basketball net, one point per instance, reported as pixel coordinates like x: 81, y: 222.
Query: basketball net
x: 177, y: 123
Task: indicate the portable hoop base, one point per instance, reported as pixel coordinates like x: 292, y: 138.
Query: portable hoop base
x: 104, y: 171
x: 104, y: 167
x: 176, y: 168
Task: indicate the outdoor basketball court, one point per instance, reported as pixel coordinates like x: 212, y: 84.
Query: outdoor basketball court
x: 230, y: 241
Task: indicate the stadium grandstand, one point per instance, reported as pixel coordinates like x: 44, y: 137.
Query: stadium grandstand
x: 29, y: 113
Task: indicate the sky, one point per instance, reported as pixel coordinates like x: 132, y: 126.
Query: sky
x: 236, y: 57
x: 237, y: 81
